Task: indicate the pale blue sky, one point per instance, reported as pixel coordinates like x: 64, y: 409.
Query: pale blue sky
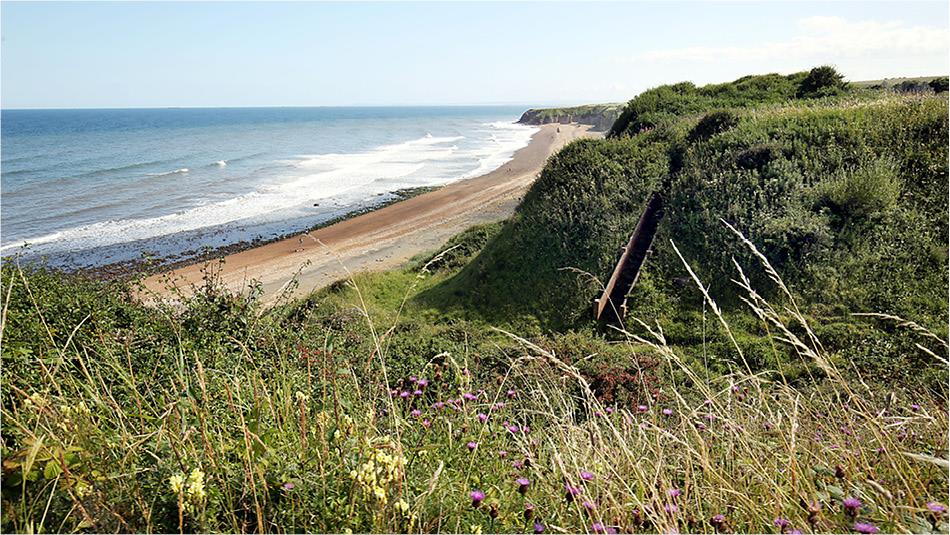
x: 312, y: 54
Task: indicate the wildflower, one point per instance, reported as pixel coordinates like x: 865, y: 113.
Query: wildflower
x: 482, y: 417
x: 667, y: 412
x: 415, y: 413
x: 413, y: 379
x: 610, y: 410
x: 422, y: 383
x: 851, y: 505
x: 401, y: 506
x: 936, y: 508
x: 475, y: 529
x: 497, y: 406
x: 523, y: 484
x: 671, y: 508
x: 518, y: 465
x: 642, y: 408
x: 477, y: 496
x: 417, y: 392
x: 598, y: 528
x: 177, y: 483
x: 866, y: 527
x: 674, y: 492
x: 511, y: 394
x: 468, y: 396
x: 426, y: 423
x: 196, y: 485
x: 915, y: 407
x: 528, y: 511
x: 538, y: 527
x: 718, y: 521
x: 572, y: 492
x: 472, y: 445
x: 512, y: 428
x: 404, y: 394
x: 589, y: 505
x: 288, y: 486
x: 781, y: 523
x: 502, y: 454
x: 701, y: 426
x: 438, y: 405
x: 587, y: 476
x: 598, y: 414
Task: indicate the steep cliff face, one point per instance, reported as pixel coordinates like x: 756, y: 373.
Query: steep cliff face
x: 600, y: 116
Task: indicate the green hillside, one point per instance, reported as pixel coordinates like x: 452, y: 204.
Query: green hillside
x: 471, y: 391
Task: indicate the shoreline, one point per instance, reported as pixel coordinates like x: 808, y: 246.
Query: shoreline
x: 379, y: 239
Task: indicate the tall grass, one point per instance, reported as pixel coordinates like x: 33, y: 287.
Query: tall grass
x: 311, y: 439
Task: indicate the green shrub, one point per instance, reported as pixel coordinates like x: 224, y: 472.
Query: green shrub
x: 821, y: 81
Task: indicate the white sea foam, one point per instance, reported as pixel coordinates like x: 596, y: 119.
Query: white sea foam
x: 338, y: 179
x: 175, y: 172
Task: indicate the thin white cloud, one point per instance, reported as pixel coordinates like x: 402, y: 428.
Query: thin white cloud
x: 822, y: 38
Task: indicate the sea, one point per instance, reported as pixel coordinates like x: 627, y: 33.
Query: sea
x: 90, y: 187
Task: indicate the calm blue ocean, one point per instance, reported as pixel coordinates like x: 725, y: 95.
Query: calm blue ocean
x: 89, y: 187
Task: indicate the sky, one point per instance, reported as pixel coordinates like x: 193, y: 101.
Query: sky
x: 138, y: 54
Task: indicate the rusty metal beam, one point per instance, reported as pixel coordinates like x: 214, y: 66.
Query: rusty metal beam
x: 612, y: 304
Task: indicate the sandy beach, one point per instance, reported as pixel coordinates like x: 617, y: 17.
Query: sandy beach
x: 385, y: 238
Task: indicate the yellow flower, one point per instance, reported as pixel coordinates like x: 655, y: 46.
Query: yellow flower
x: 196, y: 485
x: 475, y: 528
x: 177, y: 483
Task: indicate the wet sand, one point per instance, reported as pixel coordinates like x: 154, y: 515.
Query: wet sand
x: 382, y: 239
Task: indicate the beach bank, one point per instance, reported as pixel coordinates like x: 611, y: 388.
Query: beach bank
x: 381, y: 239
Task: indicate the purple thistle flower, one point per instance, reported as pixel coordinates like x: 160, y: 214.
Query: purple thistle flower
x: 482, y: 417
x: 701, y: 426
x: 511, y: 394
x: 781, y: 523
x: 518, y: 465
x: 413, y: 378
x: 795, y: 532
x: 936, y: 507
x: 866, y: 527
x: 468, y: 396
x: 417, y: 392
x: 597, y: 527
x: 915, y: 407
x: 415, y: 413
x: 404, y: 394
x: 426, y: 423
x: 422, y: 383
x: 571, y: 493
x: 538, y: 527
x: 477, y: 496
x: 671, y: 508
x: 511, y: 428
x: 718, y: 521
x: 674, y: 492
x: 642, y: 408
x: 523, y: 484
x: 498, y: 406
x: 851, y: 505
x: 438, y: 405
x: 587, y: 476
x: 502, y: 454
x: 589, y: 505
x: 668, y: 412
x: 598, y: 414
x: 288, y: 486
x: 472, y: 445
x: 610, y: 410
x: 528, y: 511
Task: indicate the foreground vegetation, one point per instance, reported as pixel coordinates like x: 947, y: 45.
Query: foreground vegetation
x: 468, y: 392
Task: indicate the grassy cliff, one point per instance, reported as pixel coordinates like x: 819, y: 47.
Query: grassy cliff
x: 600, y: 116
x: 469, y: 392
